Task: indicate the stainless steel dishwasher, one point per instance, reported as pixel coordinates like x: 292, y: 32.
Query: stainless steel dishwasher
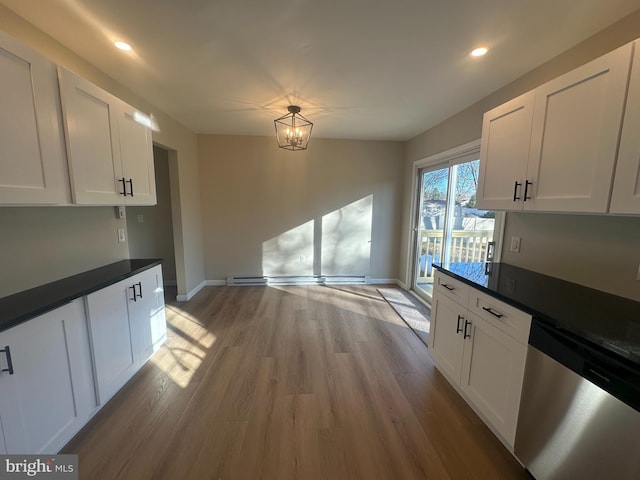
x: 580, y: 411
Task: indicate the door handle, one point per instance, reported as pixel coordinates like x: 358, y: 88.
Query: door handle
x: 140, y: 288
x: 491, y: 250
x: 451, y: 289
x: 7, y: 352
x: 458, y: 328
x: 135, y: 298
x: 130, y: 182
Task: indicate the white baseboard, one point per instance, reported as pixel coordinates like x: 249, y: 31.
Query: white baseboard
x: 220, y: 283
x: 383, y: 281
x: 204, y: 283
x: 192, y: 293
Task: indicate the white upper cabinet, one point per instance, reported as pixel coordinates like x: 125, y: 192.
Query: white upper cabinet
x: 576, y: 126
x: 626, y: 188
x: 92, y: 142
x: 32, y: 168
x: 137, y: 157
x: 504, y: 152
x: 572, y: 139
x: 109, y: 152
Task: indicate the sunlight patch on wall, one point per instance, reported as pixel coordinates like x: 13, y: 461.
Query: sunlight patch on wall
x: 290, y: 253
x: 346, y: 239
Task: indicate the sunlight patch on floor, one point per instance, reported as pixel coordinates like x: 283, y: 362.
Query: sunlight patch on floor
x: 188, y: 343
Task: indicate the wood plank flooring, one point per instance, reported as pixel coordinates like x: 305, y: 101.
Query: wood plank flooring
x: 303, y: 382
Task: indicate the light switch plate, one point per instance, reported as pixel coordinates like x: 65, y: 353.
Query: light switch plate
x: 121, y: 235
x: 515, y: 244
x: 121, y: 212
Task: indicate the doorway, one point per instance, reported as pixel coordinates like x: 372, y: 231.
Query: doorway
x: 448, y: 227
x: 150, y: 228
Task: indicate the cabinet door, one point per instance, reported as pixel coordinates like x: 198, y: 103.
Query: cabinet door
x: 90, y: 119
x: 446, y: 336
x: 576, y: 127
x: 137, y: 157
x: 148, y: 318
x: 625, y: 197
x: 492, y: 375
x: 44, y: 402
x: 111, y: 338
x: 504, y: 151
x: 32, y: 169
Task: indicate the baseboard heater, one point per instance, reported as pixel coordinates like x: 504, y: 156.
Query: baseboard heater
x: 252, y: 280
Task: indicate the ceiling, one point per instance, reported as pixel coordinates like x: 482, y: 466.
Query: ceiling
x: 360, y: 69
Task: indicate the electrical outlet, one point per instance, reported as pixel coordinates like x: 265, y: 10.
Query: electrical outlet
x: 121, y: 212
x: 515, y: 244
x: 121, y: 236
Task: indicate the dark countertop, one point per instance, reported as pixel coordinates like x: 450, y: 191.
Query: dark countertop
x: 607, y: 321
x: 23, y: 306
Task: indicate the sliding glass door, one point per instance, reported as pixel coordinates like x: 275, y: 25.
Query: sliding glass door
x: 448, y: 227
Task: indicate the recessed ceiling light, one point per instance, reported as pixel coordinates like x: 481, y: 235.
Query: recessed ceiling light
x: 123, y: 46
x: 478, y: 52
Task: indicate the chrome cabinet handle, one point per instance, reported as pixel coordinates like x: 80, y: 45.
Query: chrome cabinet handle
x: 7, y: 352
x: 492, y: 312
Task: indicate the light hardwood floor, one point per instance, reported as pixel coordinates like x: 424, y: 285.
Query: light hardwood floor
x: 289, y: 383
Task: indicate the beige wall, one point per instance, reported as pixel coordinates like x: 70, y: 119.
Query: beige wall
x: 43, y: 244
x: 598, y: 251
x: 150, y: 228
x: 558, y: 244
x: 263, y: 207
x: 172, y: 135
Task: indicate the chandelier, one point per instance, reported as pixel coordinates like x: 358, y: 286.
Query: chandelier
x: 293, y: 130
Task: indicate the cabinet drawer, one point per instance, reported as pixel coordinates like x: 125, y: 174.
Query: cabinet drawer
x: 510, y: 320
x: 452, y: 288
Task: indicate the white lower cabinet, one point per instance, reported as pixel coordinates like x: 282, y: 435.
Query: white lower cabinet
x: 46, y: 381
x: 492, y: 374
x: 149, y: 324
x: 484, y: 358
x: 126, y: 325
x: 58, y: 369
